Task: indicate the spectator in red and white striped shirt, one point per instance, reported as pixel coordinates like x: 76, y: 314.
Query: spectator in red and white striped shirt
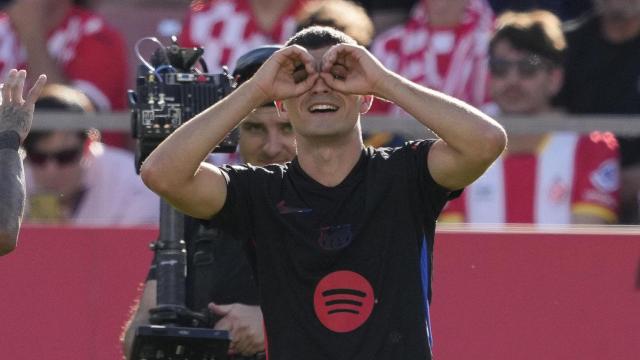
x: 442, y: 46
x: 229, y: 28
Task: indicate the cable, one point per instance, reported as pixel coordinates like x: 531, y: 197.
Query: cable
x: 137, y: 50
x: 158, y: 71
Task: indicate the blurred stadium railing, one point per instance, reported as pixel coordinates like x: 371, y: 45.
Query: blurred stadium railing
x: 618, y: 124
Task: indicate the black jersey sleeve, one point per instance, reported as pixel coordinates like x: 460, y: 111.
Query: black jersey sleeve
x: 233, y: 216
x: 432, y: 195
x: 246, y: 189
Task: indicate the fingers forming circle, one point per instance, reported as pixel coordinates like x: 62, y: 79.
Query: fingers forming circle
x: 307, y: 84
x: 302, y: 63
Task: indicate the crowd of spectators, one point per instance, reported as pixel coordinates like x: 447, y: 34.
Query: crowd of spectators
x: 442, y: 44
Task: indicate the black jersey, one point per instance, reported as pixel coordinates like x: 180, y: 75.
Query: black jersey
x: 341, y: 269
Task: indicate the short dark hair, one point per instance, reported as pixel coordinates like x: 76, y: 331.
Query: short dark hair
x: 317, y: 37
x: 538, y: 32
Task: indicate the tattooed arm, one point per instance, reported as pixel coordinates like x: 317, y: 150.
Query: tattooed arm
x: 11, y: 199
x: 16, y: 115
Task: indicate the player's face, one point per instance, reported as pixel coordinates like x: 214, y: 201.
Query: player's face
x: 56, y: 162
x: 322, y: 111
x: 522, y: 83
x: 266, y: 138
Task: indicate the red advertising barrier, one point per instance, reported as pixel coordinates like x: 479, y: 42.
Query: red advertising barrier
x: 537, y: 296
x: 65, y: 293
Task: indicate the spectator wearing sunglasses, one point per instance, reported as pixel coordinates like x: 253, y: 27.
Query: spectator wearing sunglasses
x: 548, y: 178
x: 72, y: 178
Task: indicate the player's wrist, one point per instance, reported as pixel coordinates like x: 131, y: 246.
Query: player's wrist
x: 386, y: 86
x: 9, y: 139
x: 255, y: 93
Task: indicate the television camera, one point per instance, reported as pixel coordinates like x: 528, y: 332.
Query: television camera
x: 170, y: 90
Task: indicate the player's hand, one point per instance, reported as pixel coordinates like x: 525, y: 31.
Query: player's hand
x: 245, y: 325
x: 288, y: 73
x: 352, y: 69
x: 16, y: 113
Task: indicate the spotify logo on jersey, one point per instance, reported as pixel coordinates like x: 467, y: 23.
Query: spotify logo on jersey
x: 343, y: 301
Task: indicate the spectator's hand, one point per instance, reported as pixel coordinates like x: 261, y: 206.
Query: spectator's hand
x: 245, y: 326
x: 288, y: 73
x: 351, y: 69
x: 16, y: 113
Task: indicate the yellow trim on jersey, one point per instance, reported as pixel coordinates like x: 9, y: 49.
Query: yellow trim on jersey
x: 451, y: 217
x: 594, y: 210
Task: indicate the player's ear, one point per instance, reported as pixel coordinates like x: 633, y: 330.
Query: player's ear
x: 365, y: 105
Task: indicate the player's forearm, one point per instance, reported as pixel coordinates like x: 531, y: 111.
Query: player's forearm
x: 177, y: 159
x: 12, y: 195
x: 464, y: 128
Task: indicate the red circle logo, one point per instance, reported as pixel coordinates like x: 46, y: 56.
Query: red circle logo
x: 343, y: 301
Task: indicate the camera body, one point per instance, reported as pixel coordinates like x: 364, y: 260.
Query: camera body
x: 169, y: 92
